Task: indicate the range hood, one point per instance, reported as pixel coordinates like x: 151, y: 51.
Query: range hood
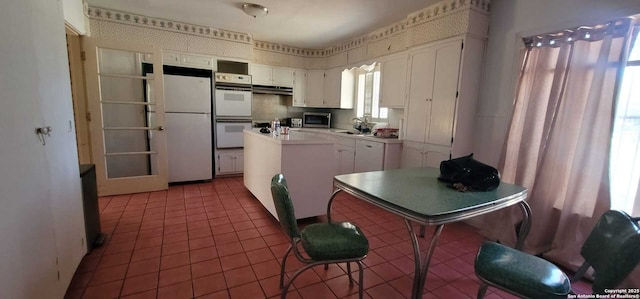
x: 268, y: 89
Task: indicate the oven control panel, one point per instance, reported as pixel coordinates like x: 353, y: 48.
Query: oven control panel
x: 232, y: 78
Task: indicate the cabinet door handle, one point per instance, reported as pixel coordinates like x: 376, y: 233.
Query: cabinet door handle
x: 369, y: 146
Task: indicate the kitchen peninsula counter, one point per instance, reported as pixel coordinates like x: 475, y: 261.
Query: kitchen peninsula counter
x: 307, y: 162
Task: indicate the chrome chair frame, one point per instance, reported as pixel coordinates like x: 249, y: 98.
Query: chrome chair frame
x: 484, y: 285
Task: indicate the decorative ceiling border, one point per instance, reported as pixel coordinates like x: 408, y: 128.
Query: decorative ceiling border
x: 428, y: 14
x: 167, y: 25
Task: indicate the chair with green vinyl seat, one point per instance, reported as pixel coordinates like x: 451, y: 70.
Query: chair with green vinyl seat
x: 612, y: 249
x: 323, y: 243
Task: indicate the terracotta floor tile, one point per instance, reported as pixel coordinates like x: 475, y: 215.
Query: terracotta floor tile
x: 108, y: 274
x: 198, y: 224
x: 333, y: 271
x: 208, y: 284
x: 203, y: 254
x: 175, y: 237
x: 239, y: 276
x: 175, y: 260
x: 88, y: 264
x: 201, y: 242
x: 182, y: 290
x: 229, y: 249
x: 150, y: 294
x: 115, y: 259
x: 146, y: 253
x: 450, y: 291
x: 140, y: 283
x: 103, y: 291
x: 445, y: 272
x: 341, y: 286
x: 404, y: 264
x: 403, y: 285
x: 174, y: 275
x: 385, y: 291
x: 226, y: 238
x: 266, y: 269
x: 116, y: 246
x: 248, y: 234
x: 253, y: 244
x: 260, y: 255
x: 206, y: 268
x: 148, y: 242
x: 80, y: 280
x: 248, y: 291
x: 275, y: 239
x: 215, y: 240
x: 224, y: 294
x: 234, y: 261
x: 175, y: 247
x: 387, y: 271
x: 144, y: 267
x: 306, y: 278
x: 318, y: 290
x: 243, y: 225
x: 270, y: 286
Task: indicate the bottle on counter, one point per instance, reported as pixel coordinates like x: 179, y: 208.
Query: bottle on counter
x: 276, y: 127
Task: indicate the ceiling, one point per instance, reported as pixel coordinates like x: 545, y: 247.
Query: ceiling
x: 310, y: 24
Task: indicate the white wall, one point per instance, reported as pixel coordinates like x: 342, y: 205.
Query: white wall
x: 510, y: 20
x: 74, y: 16
x: 40, y: 200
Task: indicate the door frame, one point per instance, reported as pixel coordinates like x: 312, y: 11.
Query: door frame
x: 134, y: 184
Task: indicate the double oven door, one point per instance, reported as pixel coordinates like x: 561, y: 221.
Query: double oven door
x: 233, y: 115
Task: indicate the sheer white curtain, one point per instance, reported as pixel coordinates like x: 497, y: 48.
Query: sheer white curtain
x: 625, y: 148
x: 558, y: 145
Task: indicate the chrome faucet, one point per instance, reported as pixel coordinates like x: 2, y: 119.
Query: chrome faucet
x: 363, y: 125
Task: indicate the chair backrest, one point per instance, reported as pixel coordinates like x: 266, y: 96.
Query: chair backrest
x: 612, y: 249
x: 284, y: 205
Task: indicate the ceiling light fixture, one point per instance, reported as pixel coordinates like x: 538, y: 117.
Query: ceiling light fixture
x: 255, y: 10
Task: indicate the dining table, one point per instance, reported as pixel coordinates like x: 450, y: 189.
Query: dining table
x: 416, y: 195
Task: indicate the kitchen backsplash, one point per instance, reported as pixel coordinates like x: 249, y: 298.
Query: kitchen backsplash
x: 267, y: 107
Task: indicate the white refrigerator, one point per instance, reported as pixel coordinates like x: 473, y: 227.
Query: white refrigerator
x: 188, y: 127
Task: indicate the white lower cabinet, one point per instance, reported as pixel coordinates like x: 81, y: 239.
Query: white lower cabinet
x: 345, y: 158
x: 230, y: 161
x: 417, y: 154
x: 369, y: 156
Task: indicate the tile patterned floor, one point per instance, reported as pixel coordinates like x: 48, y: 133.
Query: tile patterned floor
x: 215, y: 240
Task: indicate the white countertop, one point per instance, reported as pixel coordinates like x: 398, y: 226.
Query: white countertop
x: 297, y: 136
x: 294, y: 137
x: 340, y: 132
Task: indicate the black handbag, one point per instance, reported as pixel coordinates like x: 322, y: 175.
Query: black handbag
x: 467, y: 174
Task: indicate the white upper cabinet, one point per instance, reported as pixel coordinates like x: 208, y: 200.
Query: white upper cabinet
x: 261, y: 74
x: 333, y: 88
x: 189, y: 60
x: 299, y: 88
x: 332, y: 92
x: 393, y: 89
x: 268, y: 75
x: 315, y: 88
x: 444, y: 83
x: 282, y: 76
x: 433, y: 91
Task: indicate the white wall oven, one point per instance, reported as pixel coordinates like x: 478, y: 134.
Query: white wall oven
x: 233, y: 99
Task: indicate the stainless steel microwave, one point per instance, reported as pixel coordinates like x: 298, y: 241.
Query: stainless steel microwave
x: 316, y: 120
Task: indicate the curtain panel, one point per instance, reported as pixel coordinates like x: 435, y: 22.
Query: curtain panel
x: 560, y: 135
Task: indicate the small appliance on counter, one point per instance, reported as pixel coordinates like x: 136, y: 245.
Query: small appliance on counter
x: 386, y: 133
x: 316, y: 120
x: 295, y: 123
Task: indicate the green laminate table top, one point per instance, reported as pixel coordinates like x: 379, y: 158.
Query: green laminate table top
x: 417, y: 194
